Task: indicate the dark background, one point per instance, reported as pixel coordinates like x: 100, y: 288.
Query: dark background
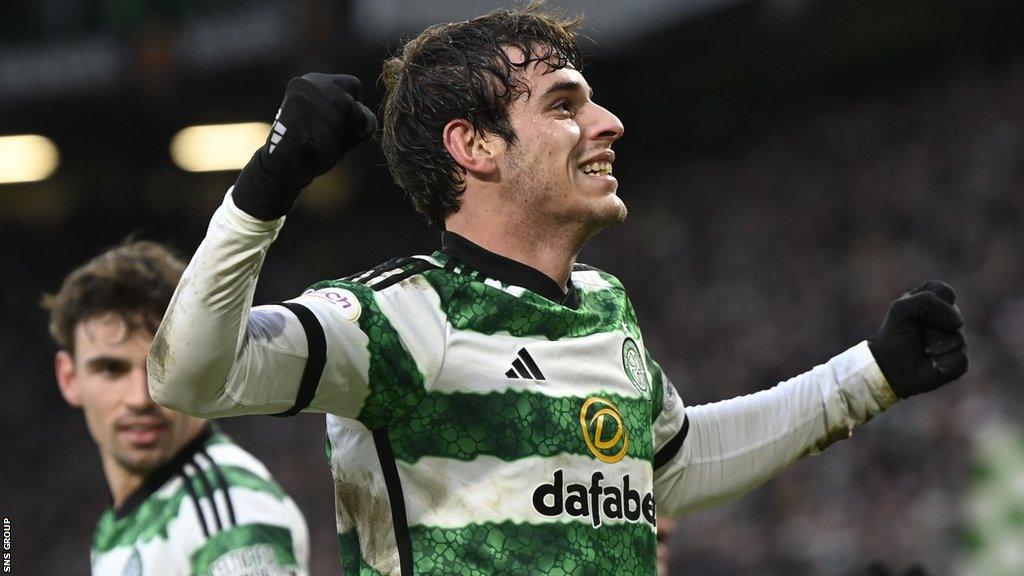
x: 790, y: 167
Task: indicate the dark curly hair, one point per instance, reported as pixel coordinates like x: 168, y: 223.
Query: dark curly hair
x: 134, y: 280
x: 462, y: 70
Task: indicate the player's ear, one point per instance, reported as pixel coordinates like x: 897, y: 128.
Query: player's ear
x: 473, y: 150
x: 64, y: 366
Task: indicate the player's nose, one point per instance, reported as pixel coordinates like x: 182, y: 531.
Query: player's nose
x: 605, y: 125
x: 137, y: 393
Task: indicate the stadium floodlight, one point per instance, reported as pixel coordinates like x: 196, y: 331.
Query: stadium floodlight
x: 213, y: 147
x: 27, y: 158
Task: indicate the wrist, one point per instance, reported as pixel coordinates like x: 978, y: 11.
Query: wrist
x: 889, y: 368
x: 243, y: 222
x: 257, y: 194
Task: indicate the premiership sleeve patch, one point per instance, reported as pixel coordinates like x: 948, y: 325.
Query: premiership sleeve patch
x: 343, y: 301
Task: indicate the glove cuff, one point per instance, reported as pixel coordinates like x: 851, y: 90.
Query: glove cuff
x: 885, y: 365
x: 259, y: 196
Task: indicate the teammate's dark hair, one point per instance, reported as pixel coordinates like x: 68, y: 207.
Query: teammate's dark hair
x: 134, y: 280
x: 462, y: 70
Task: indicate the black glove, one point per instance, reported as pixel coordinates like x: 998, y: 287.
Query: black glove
x: 320, y: 120
x: 920, y: 345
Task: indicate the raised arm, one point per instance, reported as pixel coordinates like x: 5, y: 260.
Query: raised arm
x: 727, y: 448
x: 212, y: 355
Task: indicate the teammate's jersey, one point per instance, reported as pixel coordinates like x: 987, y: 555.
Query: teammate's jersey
x: 481, y: 420
x: 212, y: 510
x: 501, y: 432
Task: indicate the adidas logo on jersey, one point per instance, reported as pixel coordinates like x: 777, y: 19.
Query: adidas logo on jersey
x: 524, y: 367
x: 596, y: 501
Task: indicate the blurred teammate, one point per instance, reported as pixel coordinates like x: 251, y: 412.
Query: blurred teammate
x: 186, y: 499
x: 492, y: 406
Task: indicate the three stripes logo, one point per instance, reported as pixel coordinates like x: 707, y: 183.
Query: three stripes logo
x: 202, y: 482
x: 278, y: 132
x: 524, y: 367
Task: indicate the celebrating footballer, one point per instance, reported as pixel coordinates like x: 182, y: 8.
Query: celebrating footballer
x: 492, y: 407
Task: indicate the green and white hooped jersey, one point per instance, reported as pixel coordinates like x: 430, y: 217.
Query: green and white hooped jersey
x: 500, y: 432
x: 211, y: 510
x: 481, y: 421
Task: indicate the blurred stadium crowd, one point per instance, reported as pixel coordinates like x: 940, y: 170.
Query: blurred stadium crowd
x: 755, y: 248
x: 788, y: 247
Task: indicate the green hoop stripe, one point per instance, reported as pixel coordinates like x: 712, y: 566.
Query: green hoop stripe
x: 511, y: 425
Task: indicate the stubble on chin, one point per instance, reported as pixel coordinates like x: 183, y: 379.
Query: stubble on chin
x: 608, y: 217
x: 619, y: 212
x: 523, y: 186
x: 140, y: 461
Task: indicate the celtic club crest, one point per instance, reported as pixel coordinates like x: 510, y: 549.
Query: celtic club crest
x: 633, y: 364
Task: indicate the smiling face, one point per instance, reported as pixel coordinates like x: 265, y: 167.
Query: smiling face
x: 106, y: 378
x: 560, y: 165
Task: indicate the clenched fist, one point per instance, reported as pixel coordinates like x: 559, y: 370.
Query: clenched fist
x: 320, y: 120
x: 920, y: 345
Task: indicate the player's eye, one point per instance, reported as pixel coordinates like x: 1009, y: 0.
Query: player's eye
x: 108, y: 369
x: 565, y: 107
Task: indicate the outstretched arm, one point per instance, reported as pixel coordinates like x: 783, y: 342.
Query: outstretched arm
x: 212, y: 355
x: 735, y: 445
x: 732, y: 446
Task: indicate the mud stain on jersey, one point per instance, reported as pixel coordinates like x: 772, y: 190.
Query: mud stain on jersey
x: 361, y: 502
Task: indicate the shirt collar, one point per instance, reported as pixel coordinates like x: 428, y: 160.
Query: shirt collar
x: 506, y: 270
x: 163, y: 473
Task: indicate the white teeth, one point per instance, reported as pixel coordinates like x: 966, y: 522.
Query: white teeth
x: 603, y: 168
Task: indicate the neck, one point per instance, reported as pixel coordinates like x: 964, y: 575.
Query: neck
x: 546, y: 250
x: 121, y: 481
x: 124, y: 481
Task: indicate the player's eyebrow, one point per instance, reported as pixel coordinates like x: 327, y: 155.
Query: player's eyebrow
x: 107, y: 363
x: 566, y: 86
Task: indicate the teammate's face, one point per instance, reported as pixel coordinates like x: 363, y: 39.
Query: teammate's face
x: 106, y: 377
x: 561, y: 161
